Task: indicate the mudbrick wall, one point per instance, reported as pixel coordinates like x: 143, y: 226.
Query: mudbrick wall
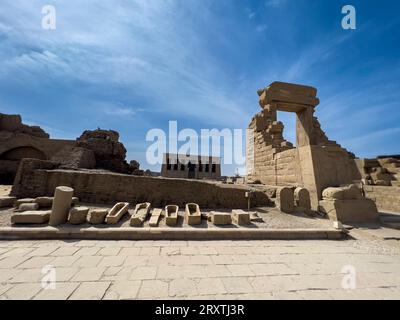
x: 386, y: 198
x: 39, y: 178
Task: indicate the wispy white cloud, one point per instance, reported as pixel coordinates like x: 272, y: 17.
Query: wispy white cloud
x: 142, y: 46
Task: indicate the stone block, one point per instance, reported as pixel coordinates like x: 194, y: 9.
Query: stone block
x: 302, y: 199
x: 7, y: 201
x: 241, y: 217
x: 61, y: 205
x: 285, y: 199
x: 155, y: 217
x: 117, y: 212
x: 221, y: 218
x: 44, y: 202
x: 348, y: 211
x: 192, y: 214
x: 97, y: 216
x: 78, y: 215
x: 28, y: 207
x: 31, y: 217
x: 140, y: 214
x: 351, y: 192
x: 18, y: 202
x: 171, y: 215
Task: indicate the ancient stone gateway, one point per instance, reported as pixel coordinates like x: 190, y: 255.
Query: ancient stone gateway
x: 315, y: 163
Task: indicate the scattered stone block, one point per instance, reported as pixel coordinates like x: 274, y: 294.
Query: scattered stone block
x: 192, y: 214
x: 61, y: 205
x: 28, y: 207
x: 302, y: 199
x: 155, y: 217
x: 78, y: 215
x: 241, y: 217
x: 349, y: 211
x: 31, y: 217
x: 18, y: 202
x: 44, y: 202
x: 221, y: 218
x: 140, y: 214
x: 285, y: 199
x: 351, y: 192
x: 171, y: 215
x: 7, y: 201
x: 117, y: 212
x: 97, y: 216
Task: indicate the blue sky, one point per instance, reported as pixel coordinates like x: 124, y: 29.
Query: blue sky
x: 133, y: 65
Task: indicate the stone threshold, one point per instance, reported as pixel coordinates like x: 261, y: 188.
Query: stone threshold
x: 50, y: 233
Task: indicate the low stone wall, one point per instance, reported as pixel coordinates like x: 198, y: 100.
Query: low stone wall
x: 38, y: 178
x: 386, y: 198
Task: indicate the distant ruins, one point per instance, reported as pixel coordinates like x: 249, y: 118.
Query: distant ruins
x: 316, y: 163
x: 317, y: 176
x: 191, y: 167
x: 98, y: 149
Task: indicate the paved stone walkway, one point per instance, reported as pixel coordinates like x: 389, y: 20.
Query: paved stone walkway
x: 199, y: 270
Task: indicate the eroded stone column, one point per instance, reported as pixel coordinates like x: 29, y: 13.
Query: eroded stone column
x: 61, y: 205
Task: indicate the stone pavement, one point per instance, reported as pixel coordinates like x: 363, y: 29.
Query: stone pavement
x: 199, y: 270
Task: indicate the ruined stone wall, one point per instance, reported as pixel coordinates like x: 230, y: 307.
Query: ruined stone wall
x: 386, y: 198
x: 286, y: 173
x: 315, y: 163
x: 264, y: 141
x: 38, y: 178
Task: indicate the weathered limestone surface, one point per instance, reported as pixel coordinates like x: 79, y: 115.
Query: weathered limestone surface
x: 348, y: 211
x: 347, y: 205
x: 78, y: 215
x: 28, y: 207
x: 221, y: 218
x: 18, y: 202
x: 192, y: 214
x: 117, y: 212
x: 171, y: 215
x: 155, y: 217
x: 61, y: 205
x: 285, y: 199
x: 31, y: 217
x: 97, y: 216
x: 7, y: 201
x: 383, y: 171
x: 18, y: 141
x: 140, y: 214
x: 315, y: 164
x: 109, y: 188
x: 44, y: 202
x: 302, y: 199
x: 241, y: 217
x: 387, y: 199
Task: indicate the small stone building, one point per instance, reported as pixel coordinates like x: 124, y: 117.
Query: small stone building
x: 190, y: 167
